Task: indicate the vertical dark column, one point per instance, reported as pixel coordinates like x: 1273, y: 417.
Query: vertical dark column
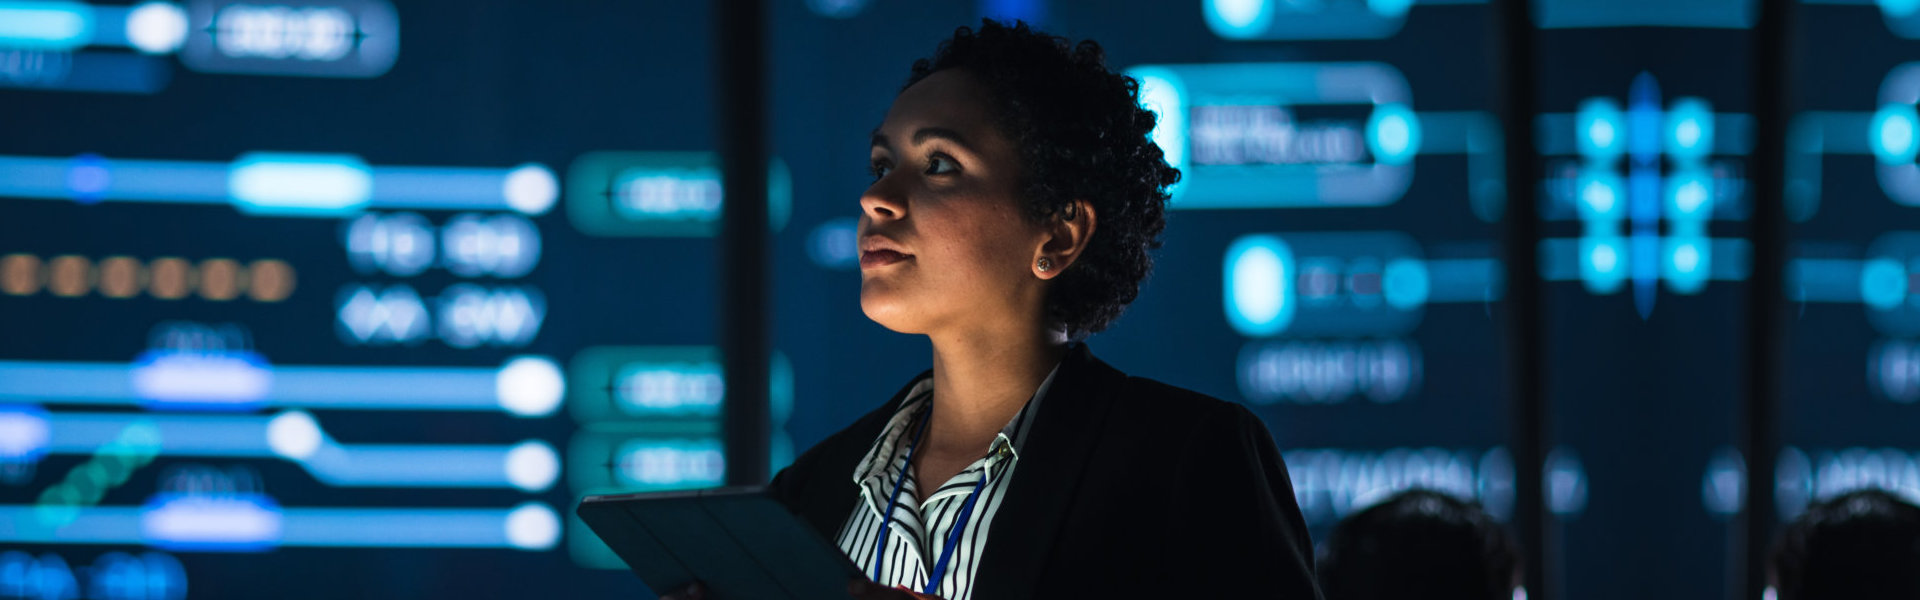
x: 740, y: 32
x: 1766, y: 300
x: 1525, y: 324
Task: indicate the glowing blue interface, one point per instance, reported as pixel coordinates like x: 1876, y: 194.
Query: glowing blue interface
x: 356, y: 298
x: 353, y: 298
x: 1853, y: 206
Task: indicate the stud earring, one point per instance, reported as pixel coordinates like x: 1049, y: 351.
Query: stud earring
x: 1044, y: 264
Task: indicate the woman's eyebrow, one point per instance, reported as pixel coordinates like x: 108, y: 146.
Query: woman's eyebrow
x: 879, y: 140
x: 950, y: 135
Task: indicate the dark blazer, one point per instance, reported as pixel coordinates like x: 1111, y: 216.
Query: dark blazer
x: 1126, y: 487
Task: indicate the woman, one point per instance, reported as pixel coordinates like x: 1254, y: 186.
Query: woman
x: 1015, y: 198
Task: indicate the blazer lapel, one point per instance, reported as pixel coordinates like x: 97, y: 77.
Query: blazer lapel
x: 1046, y: 478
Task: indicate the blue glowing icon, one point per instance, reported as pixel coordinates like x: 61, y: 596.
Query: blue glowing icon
x: 1601, y: 128
x: 1685, y: 269
x: 1602, y: 195
x: 1898, y: 9
x: 1259, y: 281
x: 1893, y: 137
x: 1689, y: 195
x: 1239, y: 19
x: 1883, y: 283
x: 24, y: 434
x: 1405, y: 283
x: 1297, y: 20
x: 45, y: 25
x: 1689, y: 129
x: 1393, y: 134
x: 1603, y: 263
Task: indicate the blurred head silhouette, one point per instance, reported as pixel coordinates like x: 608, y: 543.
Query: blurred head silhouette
x: 1857, y: 546
x: 1420, y: 545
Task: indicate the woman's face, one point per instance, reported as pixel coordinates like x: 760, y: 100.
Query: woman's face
x: 945, y: 243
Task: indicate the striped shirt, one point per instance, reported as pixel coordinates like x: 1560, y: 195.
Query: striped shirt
x: 911, y: 548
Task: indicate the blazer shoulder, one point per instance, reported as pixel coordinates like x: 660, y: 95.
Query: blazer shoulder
x: 1172, y: 405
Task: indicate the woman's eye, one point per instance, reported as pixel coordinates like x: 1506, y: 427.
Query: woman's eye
x: 879, y: 170
x: 941, y: 165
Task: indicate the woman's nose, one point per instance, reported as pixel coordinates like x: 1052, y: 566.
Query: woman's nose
x: 883, y: 202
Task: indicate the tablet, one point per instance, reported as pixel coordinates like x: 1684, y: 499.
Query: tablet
x: 738, y: 542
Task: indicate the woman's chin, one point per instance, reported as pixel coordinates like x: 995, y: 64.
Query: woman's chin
x: 888, y: 312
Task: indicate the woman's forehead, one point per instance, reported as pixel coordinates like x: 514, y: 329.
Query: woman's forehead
x: 951, y: 99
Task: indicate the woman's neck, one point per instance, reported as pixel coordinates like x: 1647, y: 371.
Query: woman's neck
x: 981, y: 380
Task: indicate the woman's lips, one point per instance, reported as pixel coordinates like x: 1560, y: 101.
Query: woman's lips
x: 880, y: 258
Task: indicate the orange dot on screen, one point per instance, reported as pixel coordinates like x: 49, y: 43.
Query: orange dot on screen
x: 219, y: 279
x: 71, y: 276
x: 172, y: 278
x: 120, y: 277
x: 269, y: 280
x: 20, y: 274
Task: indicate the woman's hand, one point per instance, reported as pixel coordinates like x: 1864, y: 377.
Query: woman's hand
x: 862, y: 589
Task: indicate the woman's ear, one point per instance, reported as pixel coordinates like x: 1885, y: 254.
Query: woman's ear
x: 1067, y: 233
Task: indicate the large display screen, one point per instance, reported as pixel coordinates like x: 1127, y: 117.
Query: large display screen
x: 356, y: 298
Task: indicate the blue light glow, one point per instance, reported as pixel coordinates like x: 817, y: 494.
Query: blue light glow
x: 531, y: 526
x: 1393, y: 134
x: 336, y: 38
x: 228, y: 380
x: 296, y: 437
x: 281, y: 184
x: 524, y: 386
x: 1031, y: 11
x: 1898, y: 9
x: 238, y: 523
x: 1392, y: 9
x: 1731, y: 14
x: 1161, y: 92
x: 45, y: 25
x: 1566, y: 482
x: 660, y: 194
x: 1603, y: 263
x: 1405, y: 283
x: 1883, y: 283
x: 1689, y: 129
x: 1332, y: 483
x: 1601, y: 128
x: 1259, y: 285
x: 837, y: 9
x: 1243, y: 147
x: 670, y: 464
x: 1239, y: 19
x: 266, y: 183
x: 24, y: 434
x: 1688, y: 264
x: 1893, y: 136
x: 1602, y: 195
x: 1689, y: 195
x: 156, y: 27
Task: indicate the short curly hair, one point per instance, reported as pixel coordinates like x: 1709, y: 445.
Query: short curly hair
x: 1081, y: 134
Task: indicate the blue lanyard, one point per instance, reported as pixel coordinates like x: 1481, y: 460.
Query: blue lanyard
x: 953, y: 538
